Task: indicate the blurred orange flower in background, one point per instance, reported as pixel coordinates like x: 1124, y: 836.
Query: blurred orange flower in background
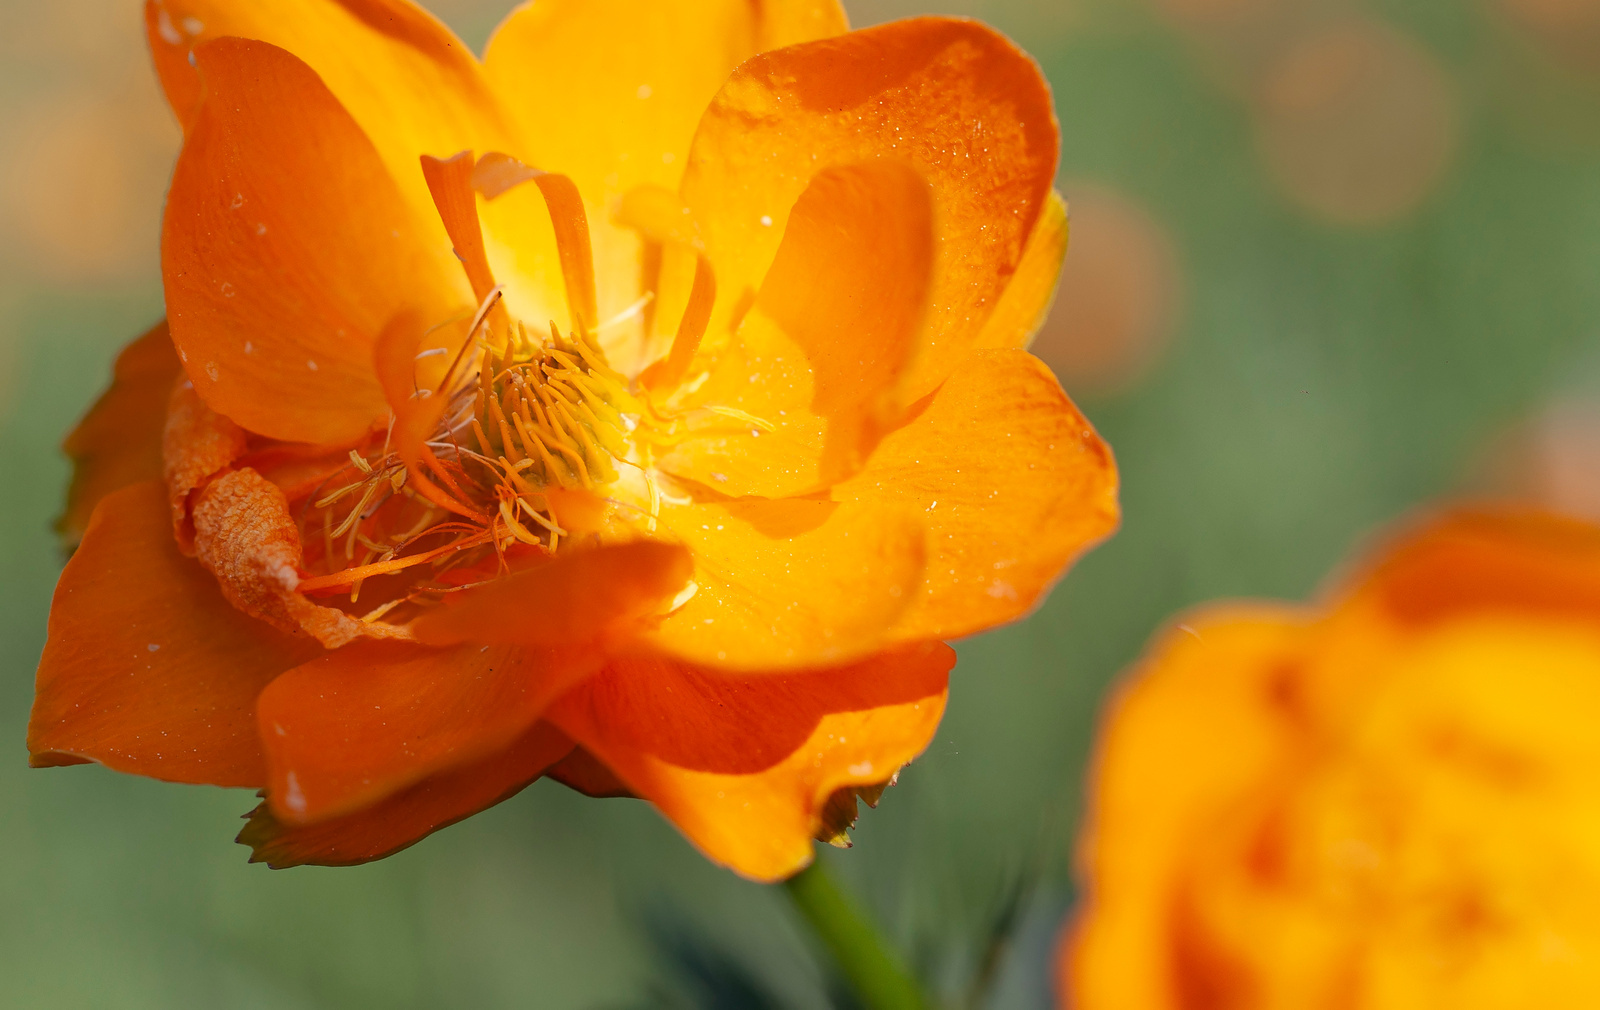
x: 665, y: 475
x: 1386, y: 801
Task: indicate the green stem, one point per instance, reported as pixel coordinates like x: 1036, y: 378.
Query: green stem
x: 869, y: 966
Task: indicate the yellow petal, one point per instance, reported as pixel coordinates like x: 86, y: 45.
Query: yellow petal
x: 819, y: 361
x: 1011, y: 483
x: 789, y: 584
x: 1031, y: 290
x: 609, y: 91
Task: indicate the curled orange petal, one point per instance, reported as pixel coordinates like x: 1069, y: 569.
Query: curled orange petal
x: 496, y: 173
x: 450, y: 183
x: 197, y: 443
x: 408, y: 816
x: 661, y: 218
x: 664, y: 375
x: 244, y: 534
x: 416, y: 408
x: 744, y: 767
x: 359, y: 725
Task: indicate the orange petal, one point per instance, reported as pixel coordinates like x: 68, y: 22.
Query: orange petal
x: 245, y: 535
x: 790, y: 584
x: 744, y: 767
x: 197, y: 444
x: 450, y: 185
x: 787, y: 22
x: 1194, y: 727
x: 416, y: 411
x: 667, y: 373
x: 411, y: 85
x: 678, y: 281
x: 287, y: 248
x: 497, y: 173
x: 835, y: 329
x: 357, y: 725
x: 1028, y: 296
x: 577, y: 596
x: 1476, y: 558
x: 146, y: 668
x: 118, y: 442
x: 409, y: 816
x: 609, y: 91
x: 956, y: 100
x: 1011, y: 483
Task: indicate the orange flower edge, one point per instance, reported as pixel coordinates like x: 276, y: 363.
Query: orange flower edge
x: 515, y: 437
x: 1381, y: 801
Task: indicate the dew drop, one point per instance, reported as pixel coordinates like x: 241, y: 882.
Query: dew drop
x: 293, y: 798
x: 165, y: 29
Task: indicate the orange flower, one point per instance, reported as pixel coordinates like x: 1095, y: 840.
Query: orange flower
x: 1388, y: 801
x: 661, y: 469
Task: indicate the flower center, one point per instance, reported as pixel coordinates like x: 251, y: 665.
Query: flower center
x: 541, y: 416
x: 540, y: 440
x: 528, y: 440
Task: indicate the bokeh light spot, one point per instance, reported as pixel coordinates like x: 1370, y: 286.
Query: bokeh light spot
x: 1567, y: 29
x: 1551, y: 460
x: 1205, y: 13
x: 1357, y: 123
x: 82, y: 184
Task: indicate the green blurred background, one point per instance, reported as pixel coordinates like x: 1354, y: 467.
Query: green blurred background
x: 1331, y: 259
